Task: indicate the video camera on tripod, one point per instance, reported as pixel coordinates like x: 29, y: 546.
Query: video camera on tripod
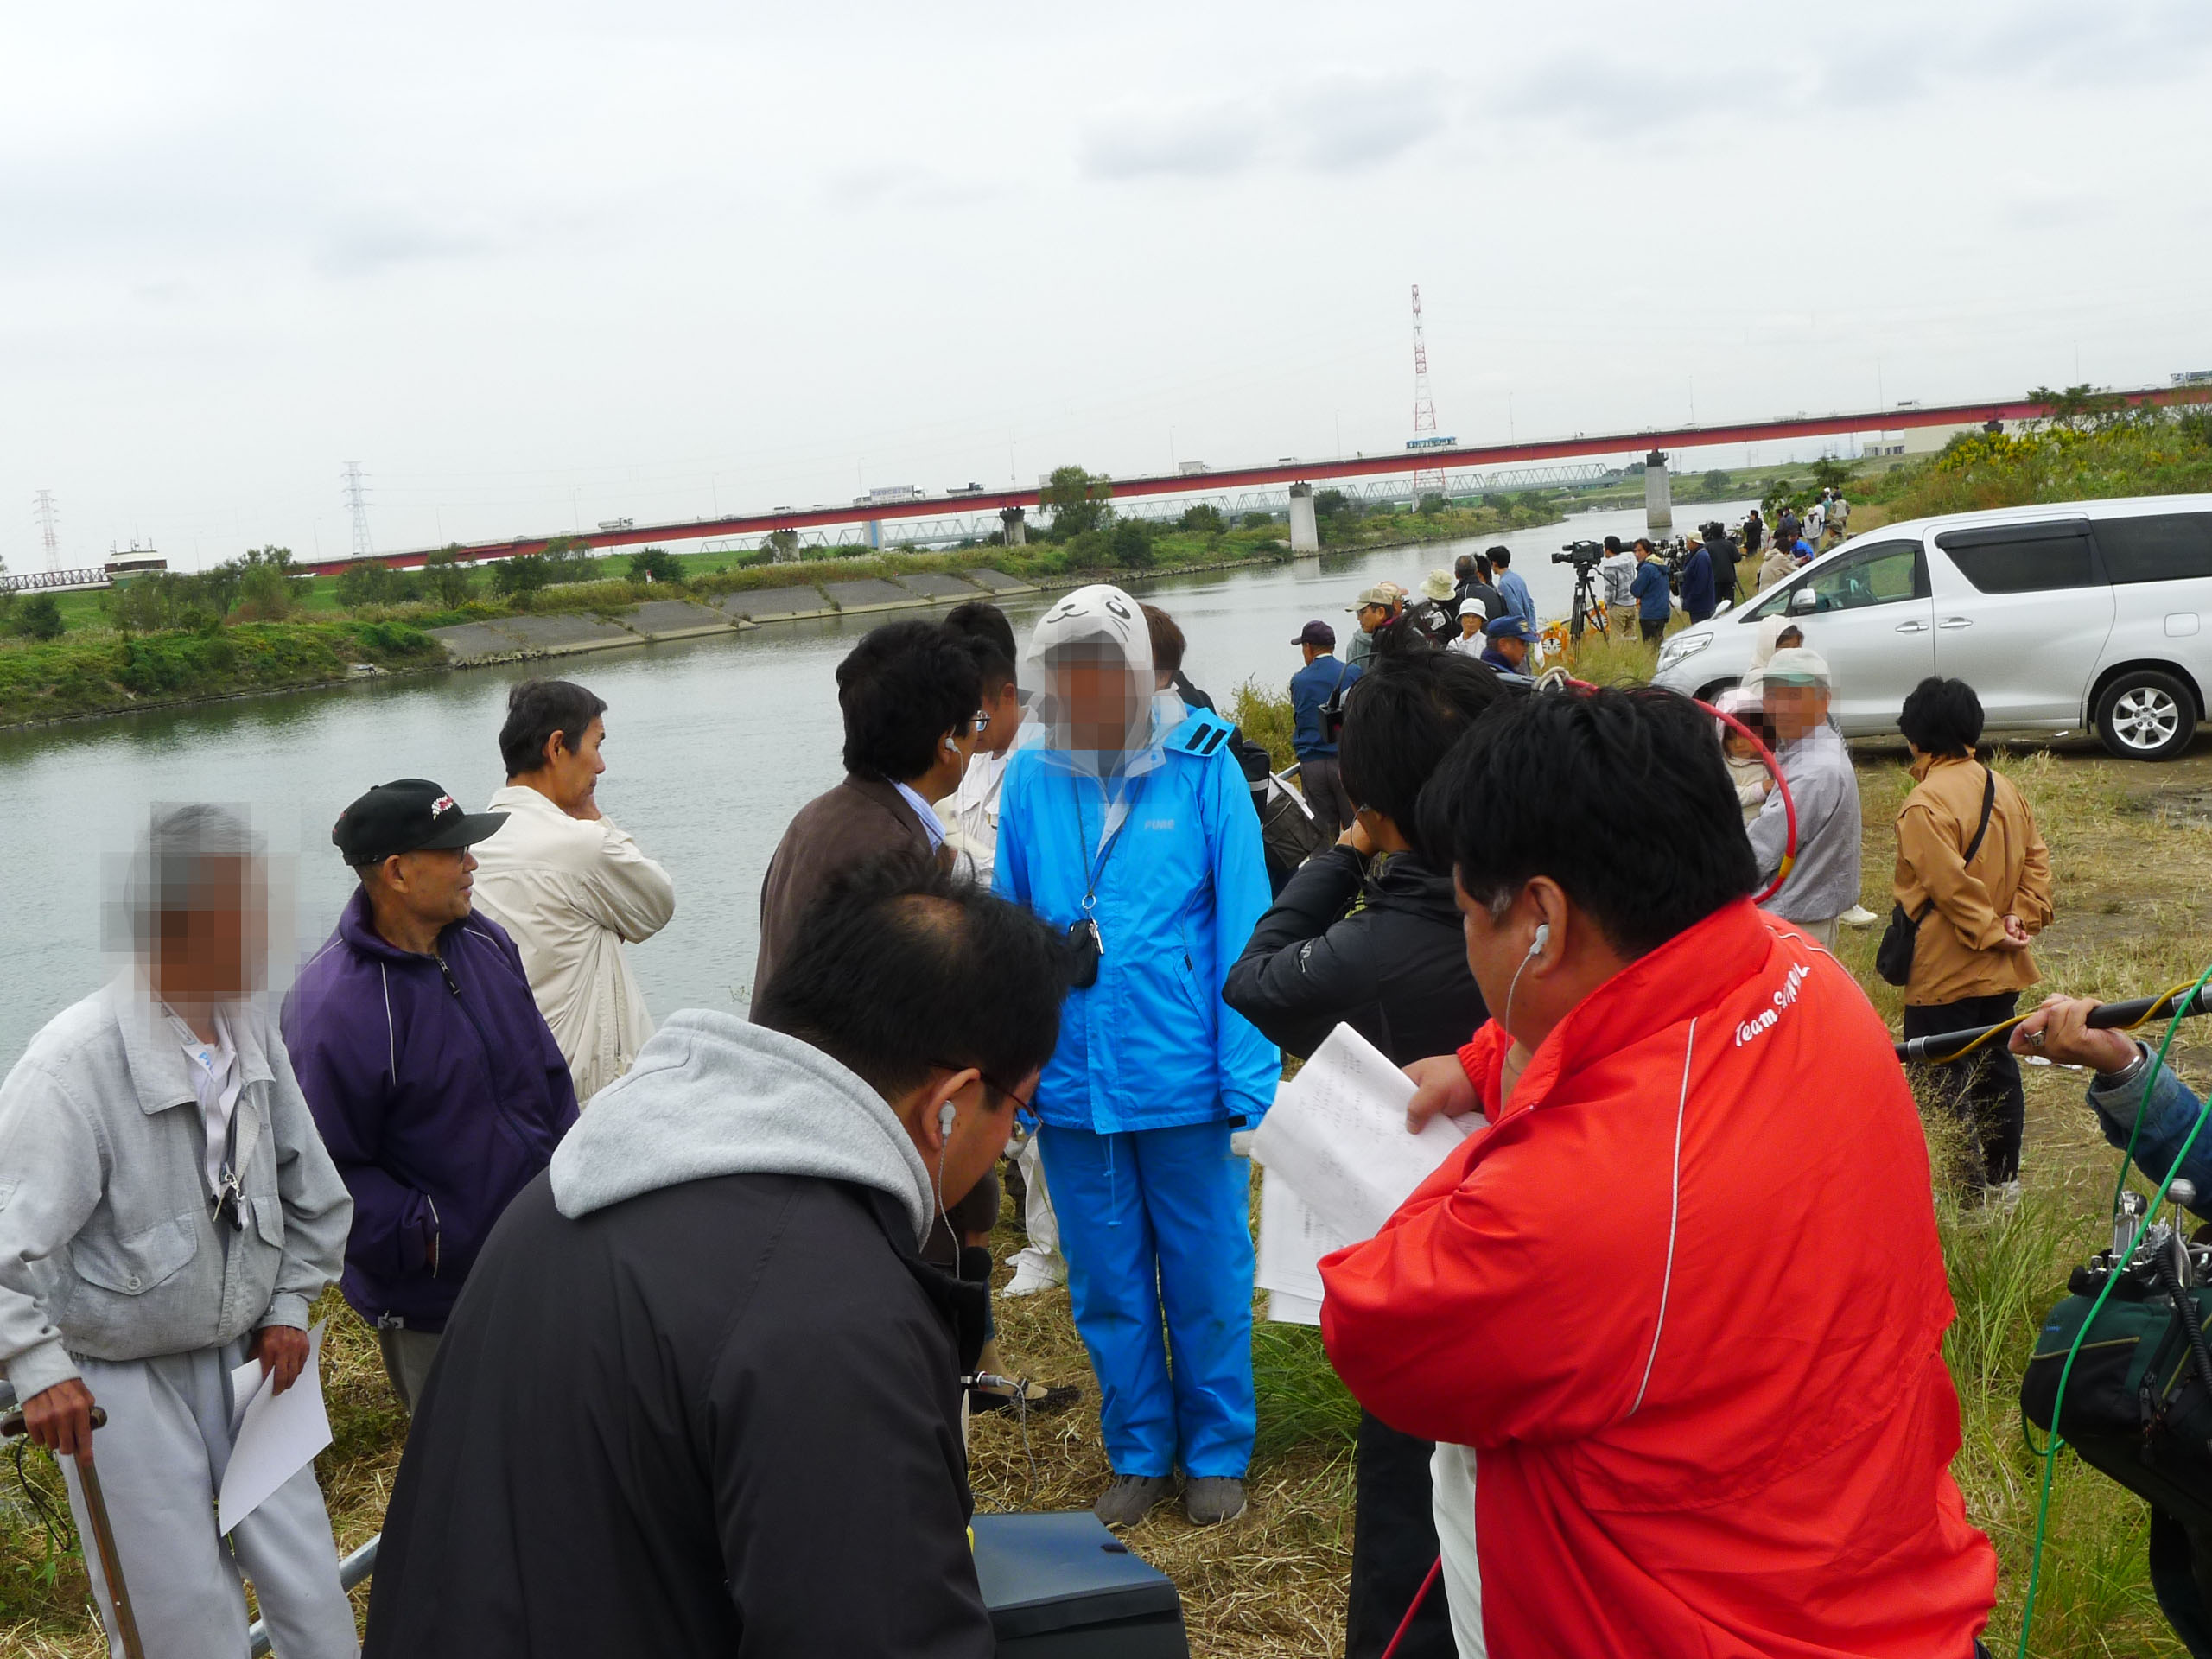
x: 1583, y: 555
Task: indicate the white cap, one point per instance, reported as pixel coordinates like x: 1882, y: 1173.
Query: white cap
x: 1795, y: 665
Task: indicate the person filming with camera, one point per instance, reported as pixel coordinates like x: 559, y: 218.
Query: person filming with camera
x: 1677, y: 1334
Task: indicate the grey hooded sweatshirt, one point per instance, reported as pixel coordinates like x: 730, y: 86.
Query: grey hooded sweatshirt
x: 697, y: 1382
x: 712, y: 1095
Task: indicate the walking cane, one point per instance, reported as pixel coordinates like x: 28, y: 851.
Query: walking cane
x: 11, y: 1428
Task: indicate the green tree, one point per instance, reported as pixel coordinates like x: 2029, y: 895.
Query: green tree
x: 523, y: 573
x: 1076, y: 500
x: 1129, y: 543
x: 567, y: 558
x: 1203, y: 517
x: 372, y: 581
x: 1717, y: 482
x: 37, y: 618
x: 656, y: 564
x: 268, y: 588
x: 446, y: 573
x: 1432, y: 504
x: 1830, y: 474
x: 2080, y: 409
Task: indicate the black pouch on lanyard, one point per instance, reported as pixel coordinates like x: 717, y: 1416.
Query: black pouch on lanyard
x: 1084, y: 952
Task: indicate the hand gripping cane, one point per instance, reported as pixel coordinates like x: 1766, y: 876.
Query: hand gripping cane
x: 88, y: 1479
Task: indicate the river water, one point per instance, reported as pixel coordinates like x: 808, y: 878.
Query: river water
x: 712, y: 746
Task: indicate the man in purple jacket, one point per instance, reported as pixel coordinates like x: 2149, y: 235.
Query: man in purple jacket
x: 437, y: 1085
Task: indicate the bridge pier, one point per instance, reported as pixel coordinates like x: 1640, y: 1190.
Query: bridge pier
x: 1305, y: 533
x: 1658, y: 495
x: 1013, y: 519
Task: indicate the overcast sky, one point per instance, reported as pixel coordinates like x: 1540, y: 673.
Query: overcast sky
x: 538, y: 265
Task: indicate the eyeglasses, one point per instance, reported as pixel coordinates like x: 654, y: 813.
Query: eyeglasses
x: 979, y: 724
x: 991, y: 1087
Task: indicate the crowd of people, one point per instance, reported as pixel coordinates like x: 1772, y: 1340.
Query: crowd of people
x: 669, y: 1305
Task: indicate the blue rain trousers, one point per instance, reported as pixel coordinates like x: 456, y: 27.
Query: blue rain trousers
x: 1156, y: 1225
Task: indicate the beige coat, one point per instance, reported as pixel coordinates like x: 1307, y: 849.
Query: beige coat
x: 1952, y: 958
x: 572, y: 891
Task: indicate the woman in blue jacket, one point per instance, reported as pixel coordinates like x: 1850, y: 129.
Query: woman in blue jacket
x: 1127, y: 825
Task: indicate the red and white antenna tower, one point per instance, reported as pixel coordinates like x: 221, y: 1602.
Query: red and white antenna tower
x: 1424, y: 405
x: 43, y: 503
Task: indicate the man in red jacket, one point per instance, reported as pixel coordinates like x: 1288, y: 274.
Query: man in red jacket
x: 1674, y: 1316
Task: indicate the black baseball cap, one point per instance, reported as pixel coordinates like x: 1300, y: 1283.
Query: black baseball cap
x: 1319, y: 635
x: 408, y: 815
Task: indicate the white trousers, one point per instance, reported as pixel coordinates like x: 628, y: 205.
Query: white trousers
x: 1043, y: 1249
x: 161, y: 1460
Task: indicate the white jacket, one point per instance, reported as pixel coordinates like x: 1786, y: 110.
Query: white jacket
x: 970, y: 813
x: 571, y: 891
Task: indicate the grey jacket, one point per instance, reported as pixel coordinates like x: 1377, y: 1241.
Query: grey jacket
x: 1823, y: 880
x: 711, y: 1095
x: 107, y: 1247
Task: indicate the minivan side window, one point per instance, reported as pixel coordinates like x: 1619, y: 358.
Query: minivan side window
x: 1881, y: 573
x: 2022, y: 558
x: 2163, y: 547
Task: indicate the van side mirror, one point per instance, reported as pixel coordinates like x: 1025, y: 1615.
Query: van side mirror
x: 1804, y: 602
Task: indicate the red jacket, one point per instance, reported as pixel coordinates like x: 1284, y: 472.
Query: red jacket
x: 1675, y: 1320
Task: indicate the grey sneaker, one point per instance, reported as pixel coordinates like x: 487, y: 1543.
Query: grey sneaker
x: 1212, y: 1499
x: 1128, y: 1498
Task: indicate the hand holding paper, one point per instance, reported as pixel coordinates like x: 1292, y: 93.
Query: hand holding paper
x: 1337, y: 1133
x: 273, y: 1436
x: 1339, y: 1159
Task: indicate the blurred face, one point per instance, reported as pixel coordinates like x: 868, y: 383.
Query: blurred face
x: 1515, y: 651
x: 570, y: 778
x: 1470, y: 622
x: 209, y: 949
x: 1794, y: 710
x: 1372, y: 617
x: 1100, y: 703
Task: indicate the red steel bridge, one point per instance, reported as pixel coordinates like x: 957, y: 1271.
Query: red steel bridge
x: 1294, y: 471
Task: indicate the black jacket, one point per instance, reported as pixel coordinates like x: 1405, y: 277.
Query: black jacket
x: 1381, y: 949
x: 722, y: 1418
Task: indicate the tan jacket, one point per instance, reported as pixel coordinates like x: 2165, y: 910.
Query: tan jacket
x: 1952, y: 958
x: 571, y: 892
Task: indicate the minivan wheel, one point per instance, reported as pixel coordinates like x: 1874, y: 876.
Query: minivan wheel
x: 2147, y: 716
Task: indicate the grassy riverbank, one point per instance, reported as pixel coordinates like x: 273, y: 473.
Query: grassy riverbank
x: 253, y: 625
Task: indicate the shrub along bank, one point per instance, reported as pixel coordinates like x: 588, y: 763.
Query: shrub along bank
x: 104, y: 672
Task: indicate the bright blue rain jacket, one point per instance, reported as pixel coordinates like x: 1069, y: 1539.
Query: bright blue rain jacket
x: 1151, y: 1045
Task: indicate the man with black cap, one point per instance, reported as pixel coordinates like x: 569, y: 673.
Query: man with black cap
x: 437, y: 1084
x: 1313, y: 693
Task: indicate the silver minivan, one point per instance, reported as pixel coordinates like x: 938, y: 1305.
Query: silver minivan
x: 2061, y: 617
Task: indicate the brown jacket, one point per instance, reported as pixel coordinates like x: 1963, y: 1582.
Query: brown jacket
x: 1966, y: 904
x: 861, y: 818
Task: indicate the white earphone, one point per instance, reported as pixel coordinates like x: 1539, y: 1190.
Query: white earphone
x: 1536, y: 948
x: 944, y: 1115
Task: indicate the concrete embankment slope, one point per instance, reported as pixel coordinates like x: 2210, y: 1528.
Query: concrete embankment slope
x: 514, y: 639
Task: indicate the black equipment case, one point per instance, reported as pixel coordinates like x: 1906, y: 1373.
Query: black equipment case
x: 1062, y: 1586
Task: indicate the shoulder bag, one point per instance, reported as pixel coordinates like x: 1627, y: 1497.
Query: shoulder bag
x: 1893, y: 957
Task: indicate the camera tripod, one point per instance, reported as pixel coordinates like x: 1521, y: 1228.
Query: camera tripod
x: 1587, y: 602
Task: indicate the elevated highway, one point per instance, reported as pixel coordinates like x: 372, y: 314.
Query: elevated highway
x: 1294, y: 470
